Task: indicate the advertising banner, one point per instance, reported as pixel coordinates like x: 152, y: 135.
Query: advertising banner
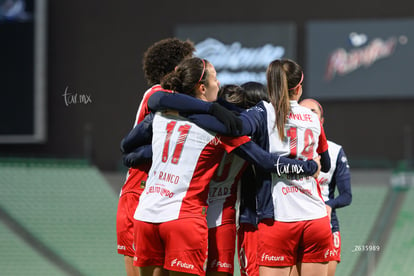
x: 241, y: 52
x: 359, y: 59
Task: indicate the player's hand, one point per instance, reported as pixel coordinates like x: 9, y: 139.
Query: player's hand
x: 228, y: 118
x: 329, y: 211
x: 317, y: 159
x: 137, y: 157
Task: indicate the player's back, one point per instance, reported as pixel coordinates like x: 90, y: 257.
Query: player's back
x: 223, y: 190
x: 185, y: 157
x: 302, y: 131
x: 296, y: 198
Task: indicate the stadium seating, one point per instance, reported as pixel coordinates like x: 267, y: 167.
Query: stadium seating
x: 66, y: 205
x: 356, y: 222
x: 398, y: 254
x: 17, y: 258
x: 70, y: 209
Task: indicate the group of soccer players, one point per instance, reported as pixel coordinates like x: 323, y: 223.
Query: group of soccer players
x: 188, y: 185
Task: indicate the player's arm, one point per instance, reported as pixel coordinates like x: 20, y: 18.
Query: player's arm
x: 342, y: 180
x: 252, y: 120
x: 140, y: 155
x: 322, y: 150
x: 211, y: 123
x: 325, y: 161
x: 140, y: 135
x: 220, y: 120
x: 272, y: 162
x: 161, y: 100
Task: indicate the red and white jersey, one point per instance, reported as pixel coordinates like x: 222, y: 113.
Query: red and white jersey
x: 325, y: 178
x: 223, y: 190
x: 135, y: 178
x: 143, y: 109
x: 297, y: 199
x: 185, y: 157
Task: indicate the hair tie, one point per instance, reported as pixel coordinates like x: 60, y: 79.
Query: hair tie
x: 204, y: 69
x: 202, y: 73
x: 319, y: 105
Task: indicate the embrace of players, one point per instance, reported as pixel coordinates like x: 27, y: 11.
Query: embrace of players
x: 209, y: 164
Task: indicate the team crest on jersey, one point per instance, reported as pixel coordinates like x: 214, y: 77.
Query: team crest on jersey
x: 345, y: 160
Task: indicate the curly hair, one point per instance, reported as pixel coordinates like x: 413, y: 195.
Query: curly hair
x: 162, y: 57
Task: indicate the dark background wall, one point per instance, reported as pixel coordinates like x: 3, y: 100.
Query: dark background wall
x: 95, y: 48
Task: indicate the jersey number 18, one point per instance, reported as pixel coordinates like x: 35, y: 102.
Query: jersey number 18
x: 309, y: 142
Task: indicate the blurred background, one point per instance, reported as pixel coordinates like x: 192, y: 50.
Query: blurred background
x: 71, y: 81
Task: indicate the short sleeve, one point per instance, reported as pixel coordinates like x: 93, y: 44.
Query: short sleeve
x: 323, y: 143
x: 231, y: 143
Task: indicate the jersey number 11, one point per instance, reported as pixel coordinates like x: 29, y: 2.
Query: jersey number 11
x: 184, y: 129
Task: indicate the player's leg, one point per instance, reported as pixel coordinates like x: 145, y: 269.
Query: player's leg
x: 294, y: 271
x: 131, y: 270
x: 125, y: 230
x: 335, y: 253
x: 274, y: 270
x: 153, y: 271
x: 277, y: 246
x: 313, y: 269
x: 315, y: 248
x: 247, y: 249
x: 186, y: 245
x: 216, y: 273
x: 332, y: 268
x: 221, y: 250
x: 150, y: 250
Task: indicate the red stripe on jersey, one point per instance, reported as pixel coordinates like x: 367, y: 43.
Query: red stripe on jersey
x: 135, y: 181
x: 143, y: 109
x: 230, y: 143
x: 323, y: 143
x: 137, y: 175
x: 318, y: 187
x: 208, y: 161
x: 197, y: 193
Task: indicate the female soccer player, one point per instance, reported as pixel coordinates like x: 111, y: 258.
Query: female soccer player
x: 247, y: 220
x: 299, y: 234
x: 295, y: 207
x: 171, y: 230
x: 338, y: 178
x: 224, y: 190
x: 159, y: 59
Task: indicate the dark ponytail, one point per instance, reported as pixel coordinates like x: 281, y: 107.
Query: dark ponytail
x: 186, y: 76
